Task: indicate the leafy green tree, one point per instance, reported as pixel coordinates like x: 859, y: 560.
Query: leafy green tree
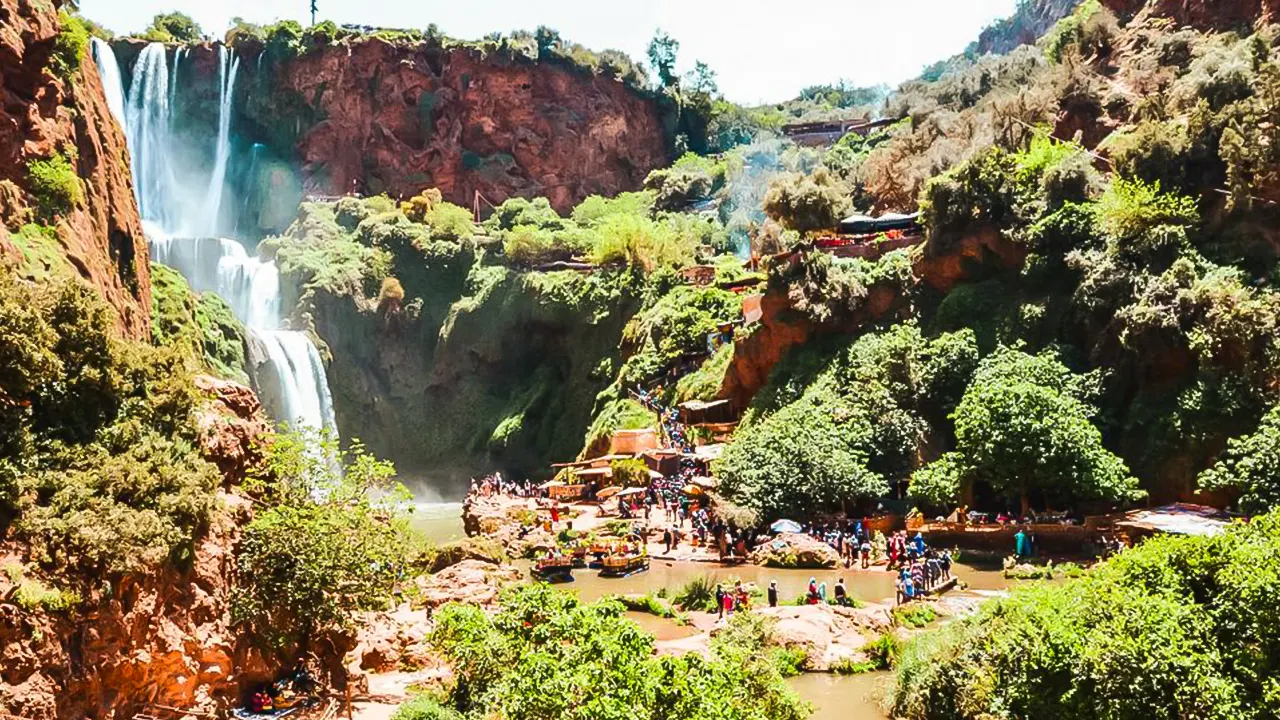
x: 1251, y: 465
x: 807, y: 202
x: 1177, y: 627
x: 329, y: 543
x: 1023, y: 428
x: 173, y: 27
x: 546, y: 656
x: 662, y: 56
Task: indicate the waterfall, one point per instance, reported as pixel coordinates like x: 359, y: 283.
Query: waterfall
x: 163, y: 182
x: 105, y: 58
x: 148, y: 129
x: 304, y: 388
x: 228, y: 64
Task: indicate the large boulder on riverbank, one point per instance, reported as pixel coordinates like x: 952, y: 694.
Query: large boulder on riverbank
x: 470, y: 581
x: 795, y: 550
x: 828, y: 634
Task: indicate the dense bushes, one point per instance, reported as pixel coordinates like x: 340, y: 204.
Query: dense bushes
x: 1023, y: 428
x: 841, y: 427
x: 55, y: 185
x: 98, y: 470
x: 1178, y: 627
x: 70, y: 47
x: 326, y: 545
x: 202, y: 325
x: 546, y: 656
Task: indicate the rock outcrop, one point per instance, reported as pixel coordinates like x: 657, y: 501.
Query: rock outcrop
x: 1200, y: 14
x: 46, y: 116
x: 1027, y: 24
x: 159, y: 639
x: 795, y: 550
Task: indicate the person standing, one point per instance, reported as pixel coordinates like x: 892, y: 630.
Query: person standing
x: 842, y: 595
x: 720, y: 595
x: 773, y: 593
x: 1020, y: 544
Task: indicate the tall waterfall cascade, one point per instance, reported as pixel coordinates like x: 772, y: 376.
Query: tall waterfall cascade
x: 181, y: 205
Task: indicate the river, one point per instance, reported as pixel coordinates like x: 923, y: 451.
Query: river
x: 843, y: 697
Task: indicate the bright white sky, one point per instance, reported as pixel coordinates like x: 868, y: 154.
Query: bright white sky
x: 761, y: 50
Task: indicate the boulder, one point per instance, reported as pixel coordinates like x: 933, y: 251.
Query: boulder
x: 471, y: 581
x: 795, y: 550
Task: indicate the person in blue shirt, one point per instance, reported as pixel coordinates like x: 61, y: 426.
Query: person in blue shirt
x: 1020, y: 543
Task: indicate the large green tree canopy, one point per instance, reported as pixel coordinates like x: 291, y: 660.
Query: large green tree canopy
x: 547, y: 656
x: 1024, y: 428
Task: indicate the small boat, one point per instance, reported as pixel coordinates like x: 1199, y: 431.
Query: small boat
x: 553, y: 570
x: 623, y: 565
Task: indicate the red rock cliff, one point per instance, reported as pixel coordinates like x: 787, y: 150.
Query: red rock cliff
x: 399, y: 119
x: 1200, y: 14
x: 42, y: 115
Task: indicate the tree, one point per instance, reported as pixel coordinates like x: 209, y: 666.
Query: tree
x: 702, y: 81
x: 546, y: 656
x: 1023, y: 428
x: 1251, y: 465
x: 807, y: 202
x: 173, y: 27
x: 328, y: 544
x: 662, y: 56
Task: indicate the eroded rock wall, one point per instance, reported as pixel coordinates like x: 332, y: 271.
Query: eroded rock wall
x: 42, y: 115
x: 157, y: 640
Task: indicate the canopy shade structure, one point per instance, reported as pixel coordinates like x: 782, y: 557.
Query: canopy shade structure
x: 608, y: 492
x: 631, y: 491
x: 1177, y: 519
x: 551, y: 484
x: 867, y: 225
x: 785, y: 526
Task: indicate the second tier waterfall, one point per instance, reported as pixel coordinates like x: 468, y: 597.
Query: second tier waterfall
x: 181, y: 205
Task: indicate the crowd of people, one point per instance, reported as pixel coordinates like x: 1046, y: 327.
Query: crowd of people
x: 495, y: 484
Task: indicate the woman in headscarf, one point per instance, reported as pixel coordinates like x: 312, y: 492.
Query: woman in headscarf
x: 813, y: 591
x: 822, y: 592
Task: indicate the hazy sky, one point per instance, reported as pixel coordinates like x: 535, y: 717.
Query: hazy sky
x: 762, y: 51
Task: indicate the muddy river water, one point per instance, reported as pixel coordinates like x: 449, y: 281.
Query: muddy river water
x: 854, y: 697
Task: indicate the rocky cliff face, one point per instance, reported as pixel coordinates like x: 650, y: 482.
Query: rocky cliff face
x: 1200, y: 14
x: 371, y: 116
x: 45, y: 116
x: 1031, y: 20
x: 163, y: 639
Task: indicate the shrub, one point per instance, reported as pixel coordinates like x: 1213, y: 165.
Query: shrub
x: 174, y: 27
x: 1153, y: 152
x: 807, y: 202
x: 70, y: 46
x: 55, y: 185
x: 32, y: 596
x: 884, y: 651
x: 630, y: 473
x: 524, y: 660
x: 327, y: 546
x: 1175, y: 627
x: 698, y: 594
x: 424, y: 707
x: 915, y: 615
x: 1251, y: 465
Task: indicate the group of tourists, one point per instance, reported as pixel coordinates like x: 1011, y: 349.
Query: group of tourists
x: 494, y: 484
x: 727, y: 601
x: 903, y: 550
x: 817, y: 593
x: 672, y: 429
x: 922, y: 575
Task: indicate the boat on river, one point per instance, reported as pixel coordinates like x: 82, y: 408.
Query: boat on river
x: 553, y: 570
x: 624, y: 565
